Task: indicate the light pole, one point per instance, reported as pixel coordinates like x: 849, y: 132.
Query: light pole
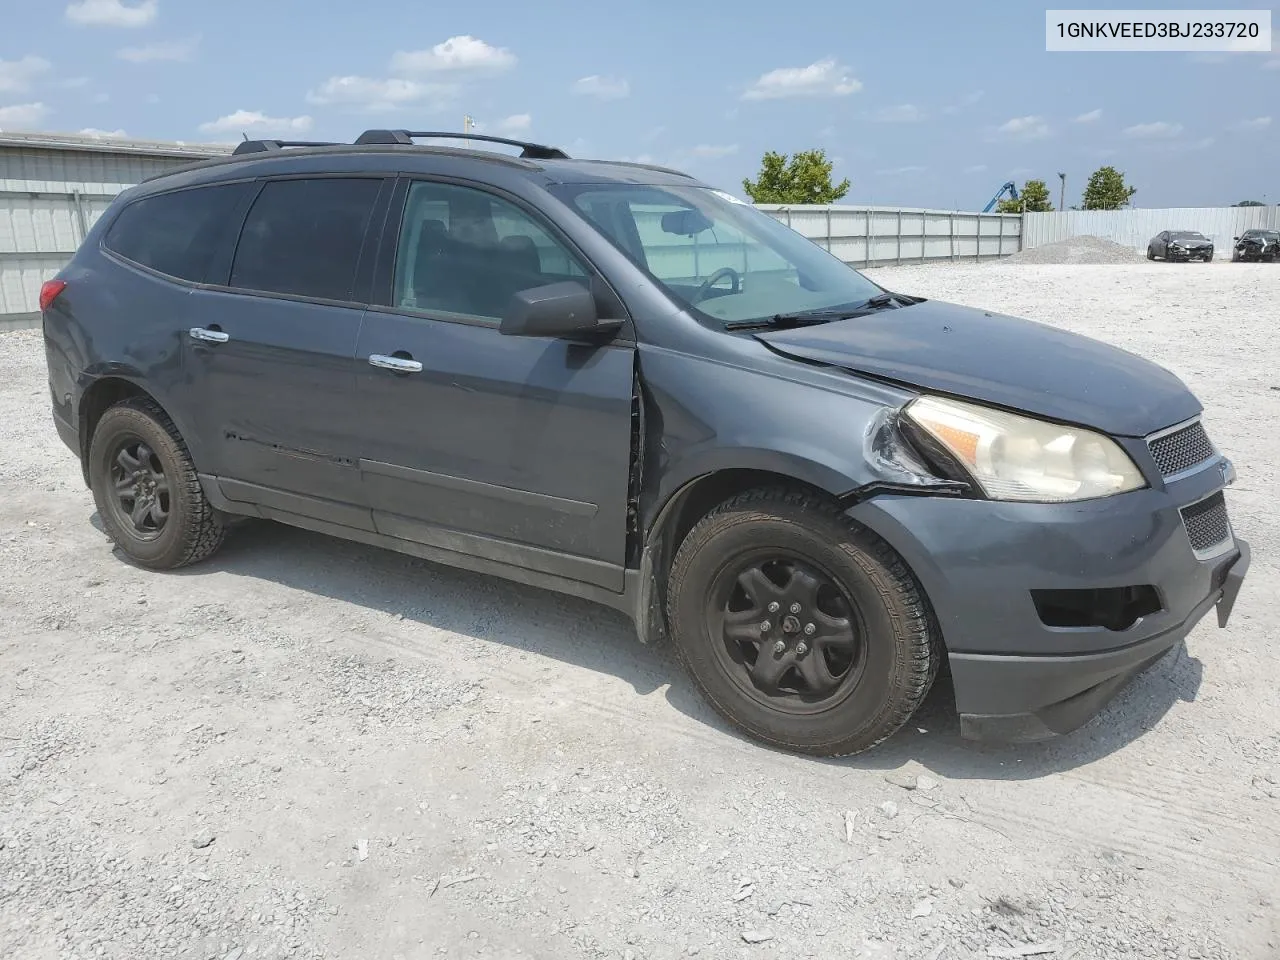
x: 1062, y: 192
x: 467, y: 123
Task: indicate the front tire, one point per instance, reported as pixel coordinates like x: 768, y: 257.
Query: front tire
x: 1150, y: 254
x: 146, y: 489
x: 849, y: 651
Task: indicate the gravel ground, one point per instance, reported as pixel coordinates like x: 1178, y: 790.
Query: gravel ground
x: 311, y: 748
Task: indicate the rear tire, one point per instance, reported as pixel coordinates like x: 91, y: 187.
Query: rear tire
x: 146, y: 489
x: 850, y: 651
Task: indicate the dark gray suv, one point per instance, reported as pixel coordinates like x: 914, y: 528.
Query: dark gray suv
x: 612, y: 380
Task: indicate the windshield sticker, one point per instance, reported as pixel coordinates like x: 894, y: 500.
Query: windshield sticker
x: 730, y: 197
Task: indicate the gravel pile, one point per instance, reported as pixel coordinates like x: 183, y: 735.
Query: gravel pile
x: 1091, y: 250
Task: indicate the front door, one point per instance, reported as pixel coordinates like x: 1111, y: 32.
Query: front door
x: 271, y: 352
x: 515, y: 449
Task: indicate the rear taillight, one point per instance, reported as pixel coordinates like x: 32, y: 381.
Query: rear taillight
x: 49, y: 291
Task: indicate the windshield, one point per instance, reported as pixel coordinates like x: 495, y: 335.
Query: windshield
x: 1260, y: 235
x: 716, y: 255
x: 1186, y: 235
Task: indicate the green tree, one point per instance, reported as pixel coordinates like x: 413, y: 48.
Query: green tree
x: 805, y: 178
x: 1034, y: 199
x: 1106, y: 190
x: 1249, y: 203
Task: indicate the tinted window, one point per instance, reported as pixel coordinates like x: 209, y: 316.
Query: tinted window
x: 466, y: 252
x: 304, y: 236
x: 175, y: 233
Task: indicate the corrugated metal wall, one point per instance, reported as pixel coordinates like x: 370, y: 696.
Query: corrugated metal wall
x: 48, y: 200
x: 1134, y: 228
x: 870, y: 236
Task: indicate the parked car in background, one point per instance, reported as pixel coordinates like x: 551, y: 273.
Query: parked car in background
x: 1256, y: 245
x: 1180, y: 245
x: 615, y: 381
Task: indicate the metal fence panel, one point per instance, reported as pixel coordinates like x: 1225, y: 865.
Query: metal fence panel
x: 869, y: 236
x: 1134, y: 228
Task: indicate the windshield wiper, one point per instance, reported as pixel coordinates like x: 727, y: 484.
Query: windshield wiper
x: 810, y: 317
x: 803, y: 319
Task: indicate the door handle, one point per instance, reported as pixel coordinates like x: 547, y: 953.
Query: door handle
x: 398, y: 364
x: 210, y: 336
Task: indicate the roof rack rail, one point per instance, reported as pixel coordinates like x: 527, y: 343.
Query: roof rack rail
x: 265, y: 146
x: 532, y: 151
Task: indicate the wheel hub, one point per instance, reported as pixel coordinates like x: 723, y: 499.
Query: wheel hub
x: 788, y: 628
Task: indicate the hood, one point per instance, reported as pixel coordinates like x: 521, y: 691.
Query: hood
x: 1191, y: 244
x: 1006, y: 361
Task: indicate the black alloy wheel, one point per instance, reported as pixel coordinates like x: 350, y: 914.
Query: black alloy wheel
x: 147, y: 490
x: 801, y: 627
x: 791, y: 637
x: 140, y: 490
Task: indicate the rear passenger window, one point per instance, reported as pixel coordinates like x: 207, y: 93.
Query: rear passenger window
x: 466, y: 252
x: 175, y: 233
x: 303, y: 237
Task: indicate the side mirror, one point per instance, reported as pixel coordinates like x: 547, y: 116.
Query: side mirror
x: 1235, y: 238
x: 554, y: 310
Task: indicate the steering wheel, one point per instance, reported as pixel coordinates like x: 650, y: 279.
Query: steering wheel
x: 705, y: 288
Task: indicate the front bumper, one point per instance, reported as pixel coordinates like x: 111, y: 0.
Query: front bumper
x: 1199, y: 253
x: 1016, y: 677
x: 1018, y: 699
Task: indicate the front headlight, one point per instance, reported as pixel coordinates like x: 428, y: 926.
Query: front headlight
x: 1020, y: 458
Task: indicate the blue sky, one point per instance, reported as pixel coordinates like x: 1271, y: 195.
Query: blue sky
x: 919, y: 103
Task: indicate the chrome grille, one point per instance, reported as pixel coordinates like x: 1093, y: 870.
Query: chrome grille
x: 1207, y: 524
x: 1181, y: 449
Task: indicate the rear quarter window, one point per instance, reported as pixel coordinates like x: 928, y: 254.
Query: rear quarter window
x: 176, y: 233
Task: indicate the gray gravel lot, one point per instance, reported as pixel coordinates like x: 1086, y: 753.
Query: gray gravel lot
x: 312, y: 748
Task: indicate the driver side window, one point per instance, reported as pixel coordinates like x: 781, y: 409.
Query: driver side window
x: 466, y: 252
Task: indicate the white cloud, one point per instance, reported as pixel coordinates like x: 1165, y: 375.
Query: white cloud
x: 103, y: 134
x: 1025, y: 128
x: 976, y: 168
x: 112, y: 13
x: 825, y: 78
x: 153, y: 98
x: 713, y: 151
x: 1187, y: 146
x: 1158, y: 130
x: 968, y: 100
x: 367, y: 93
x: 1089, y: 117
x: 101, y: 97
x: 602, y: 88
x: 644, y: 158
x: 254, y: 121
x: 22, y: 115
x: 516, y: 123
x: 17, y: 75
x: 1257, y: 123
x: 463, y: 53
x: 175, y: 50
x: 900, y: 171
x: 73, y: 83
x: 1272, y: 64
x: 902, y: 113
